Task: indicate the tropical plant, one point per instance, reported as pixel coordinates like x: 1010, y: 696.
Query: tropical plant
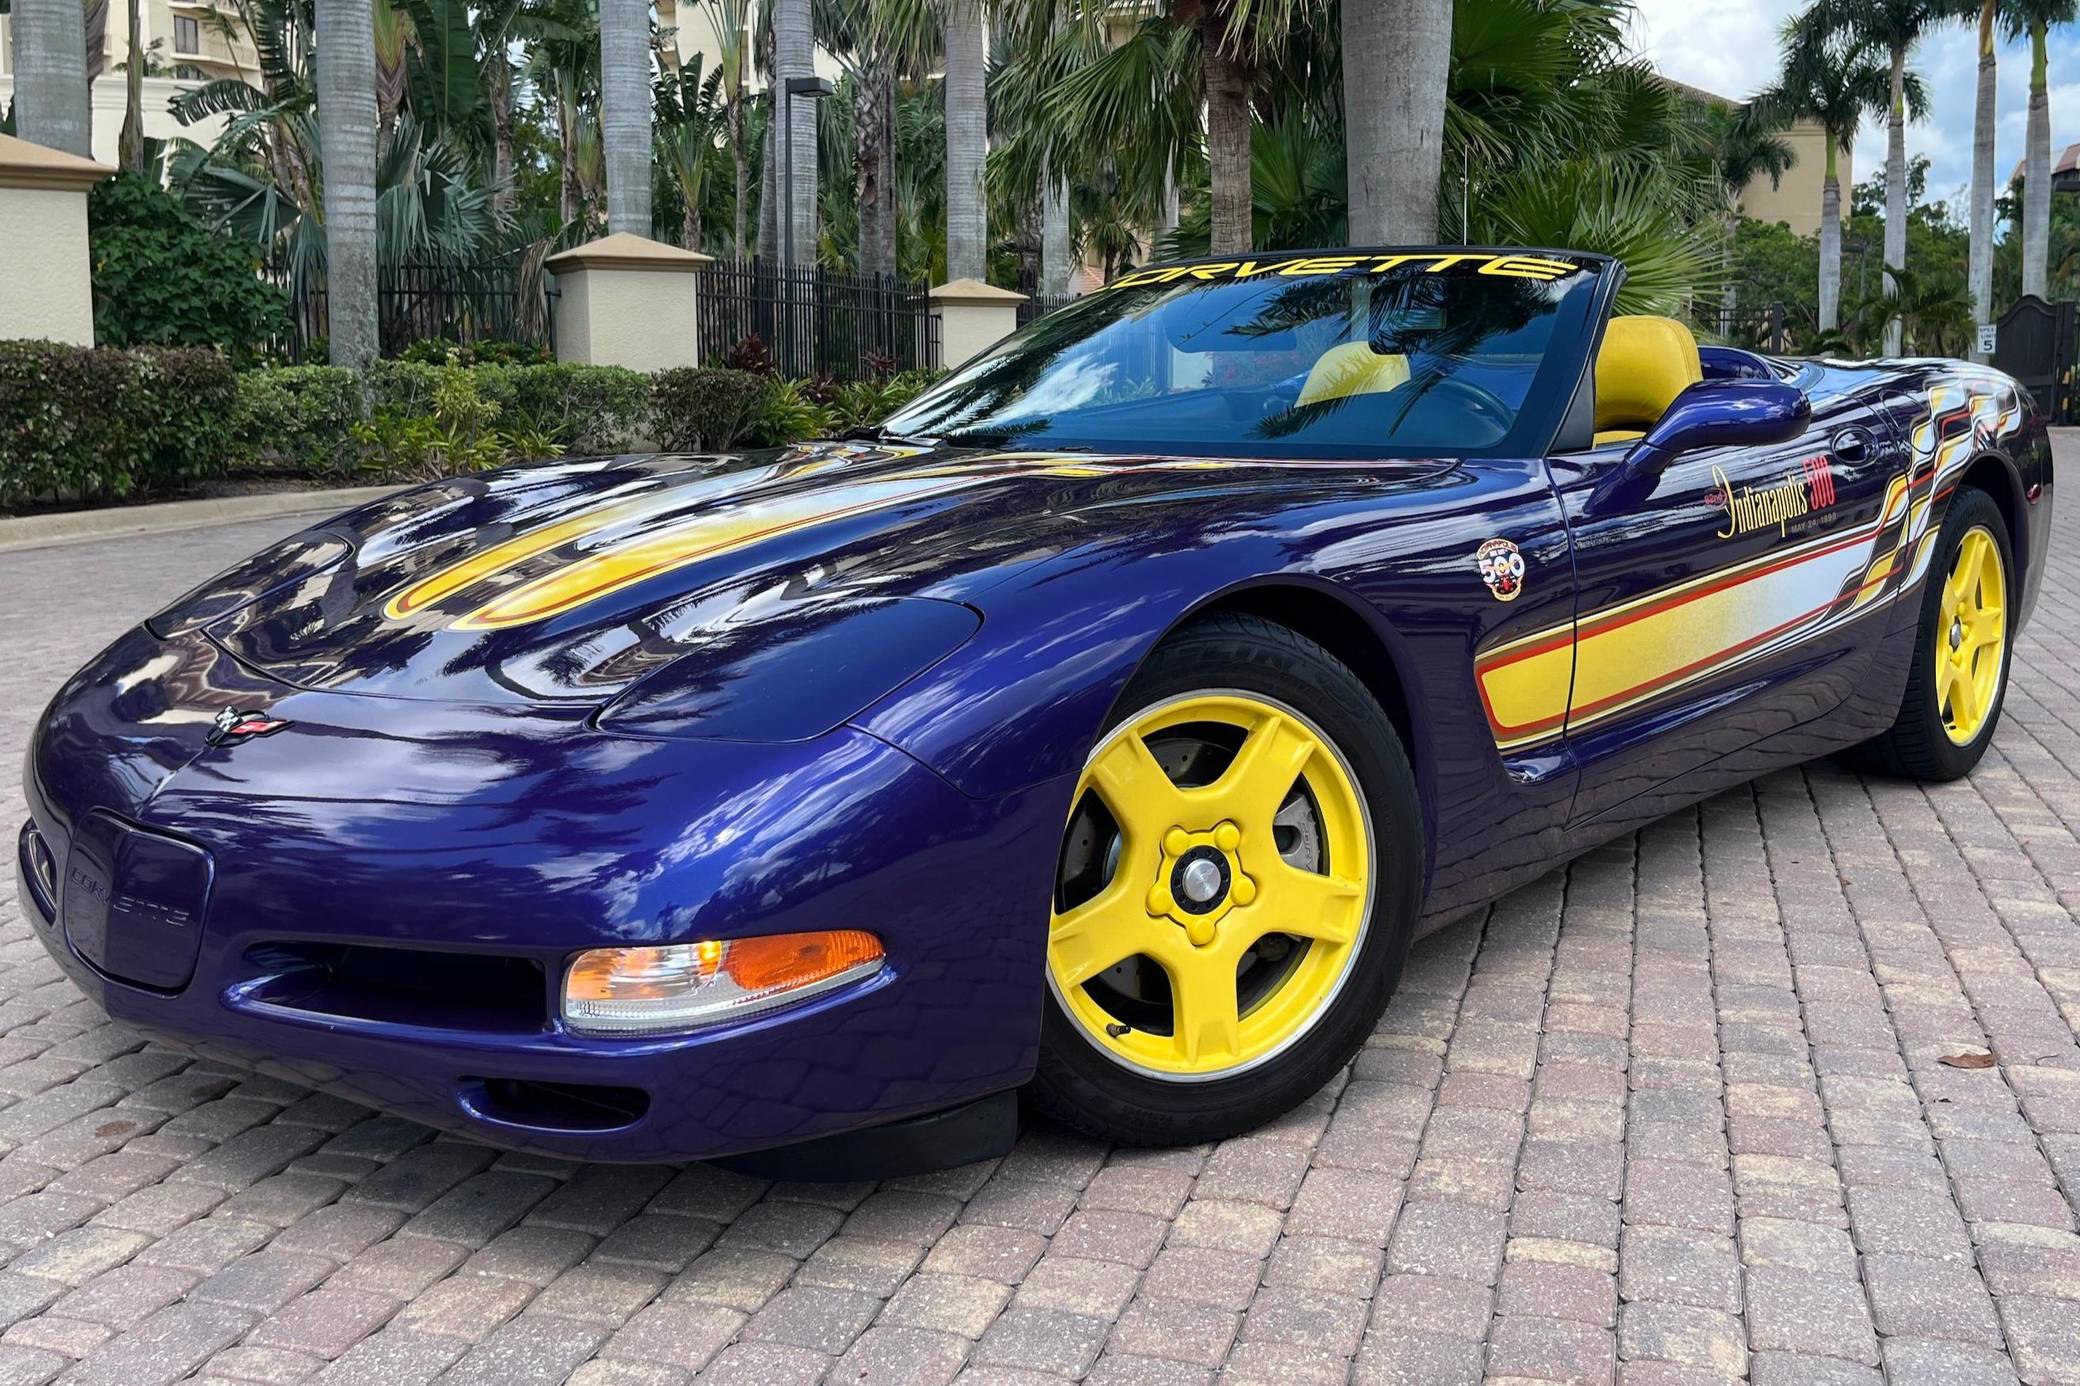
x: 2036, y: 18
x: 731, y: 22
x: 1892, y: 27
x: 689, y: 117
x: 162, y: 279
x: 1833, y: 79
x: 881, y: 44
x: 1614, y: 209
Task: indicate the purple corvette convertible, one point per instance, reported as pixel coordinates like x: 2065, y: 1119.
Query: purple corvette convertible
x: 1103, y: 728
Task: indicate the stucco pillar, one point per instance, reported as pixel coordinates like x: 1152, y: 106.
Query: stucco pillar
x: 626, y: 301
x: 972, y: 315
x: 47, y: 287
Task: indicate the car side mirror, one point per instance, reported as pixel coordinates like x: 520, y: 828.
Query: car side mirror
x: 1722, y: 414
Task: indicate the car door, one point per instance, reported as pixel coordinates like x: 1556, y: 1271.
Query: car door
x: 1722, y: 600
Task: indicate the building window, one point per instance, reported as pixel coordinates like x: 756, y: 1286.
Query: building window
x: 187, y: 35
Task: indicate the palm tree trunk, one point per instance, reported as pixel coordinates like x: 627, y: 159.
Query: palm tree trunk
x: 624, y: 113
x: 498, y: 87
x: 567, y: 155
x: 1394, y: 125
x: 50, y: 75
x: 874, y: 115
x: 769, y: 183
x: 2036, y: 187
x: 1054, y: 235
x: 740, y: 187
x: 967, y: 141
x: 346, y: 92
x: 1979, y: 270
x: 1830, y: 242
x: 794, y: 55
x: 130, y: 143
x: 1730, y: 295
x: 1228, y: 83
x: 690, y: 218
x: 1895, y: 193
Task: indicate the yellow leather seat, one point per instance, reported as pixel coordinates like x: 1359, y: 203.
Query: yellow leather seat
x: 1353, y: 368
x: 1643, y: 364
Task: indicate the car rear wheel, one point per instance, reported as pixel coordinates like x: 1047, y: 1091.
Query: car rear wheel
x: 1960, y: 672
x: 1236, y: 892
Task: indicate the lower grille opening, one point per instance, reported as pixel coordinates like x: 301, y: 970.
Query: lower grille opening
x: 402, y: 986
x: 556, y: 1106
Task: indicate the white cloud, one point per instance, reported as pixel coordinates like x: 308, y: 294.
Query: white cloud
x: 1731, y: 47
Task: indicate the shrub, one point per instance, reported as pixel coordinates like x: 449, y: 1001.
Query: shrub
x: 700, y: 410
x: 750, y: 354
x: 435, y: 351
x: 98, y: 423
x: 298, y: 416
x: 456, y: 432
x: 865, y: 403
x: 787, y: 414
x: 163, y: 278
x: 586, y: 409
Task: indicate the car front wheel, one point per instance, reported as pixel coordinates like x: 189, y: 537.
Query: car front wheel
x: 1237, y: 888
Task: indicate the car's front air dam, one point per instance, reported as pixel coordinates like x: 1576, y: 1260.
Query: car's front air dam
x: 646, y: 842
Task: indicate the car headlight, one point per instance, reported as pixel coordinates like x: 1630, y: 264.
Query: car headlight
x: 797, y: 678
x: 683, y: 986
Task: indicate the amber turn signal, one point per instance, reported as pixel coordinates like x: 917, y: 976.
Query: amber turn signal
x: 682, y: 986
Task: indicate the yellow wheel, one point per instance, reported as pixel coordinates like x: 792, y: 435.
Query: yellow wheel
x: 1218, y: 901
x: 1959, y: 673
x: 1972, y: 636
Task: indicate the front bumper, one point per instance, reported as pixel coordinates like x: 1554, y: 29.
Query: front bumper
x: 456, y: 914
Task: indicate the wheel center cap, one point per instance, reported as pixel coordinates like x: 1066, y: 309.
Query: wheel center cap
x: 1201, y: 881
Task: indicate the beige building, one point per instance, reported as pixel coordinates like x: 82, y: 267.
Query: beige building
x: 186, y: 42
x: 1795, y: 199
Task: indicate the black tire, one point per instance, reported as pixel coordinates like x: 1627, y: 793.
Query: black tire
x: 1077, y: 1084
x: 1916, y: 746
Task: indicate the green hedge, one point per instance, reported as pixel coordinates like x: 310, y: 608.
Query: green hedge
x: 97, y: 424
x: 299, y: 417
x: 93, y: 425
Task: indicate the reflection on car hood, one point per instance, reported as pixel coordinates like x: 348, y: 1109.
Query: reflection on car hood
x: 569, y: 581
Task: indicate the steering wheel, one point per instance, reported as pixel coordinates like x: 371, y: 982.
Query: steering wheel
x: 1482, y: 402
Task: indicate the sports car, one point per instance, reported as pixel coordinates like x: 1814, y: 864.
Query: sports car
x: 1102, y: 728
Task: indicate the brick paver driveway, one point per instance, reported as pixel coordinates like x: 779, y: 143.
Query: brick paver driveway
x: 1679, y: 1112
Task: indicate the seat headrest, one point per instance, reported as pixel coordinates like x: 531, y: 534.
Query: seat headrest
x: 1353, y: 368
x: 1643, y: 364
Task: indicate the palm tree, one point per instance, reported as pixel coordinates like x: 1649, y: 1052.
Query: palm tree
x: 794, y: 56
x: 50, y: 75
x: 2036, y: 18
x: 1979, y: 275
x: 966, y: 41
x: 1394, y: 125
x: 130, y: 142
x: 1893, y: 26
x: 690, y: 114
x: 346, y: 101
x: 1833, y: 79
x: 1746, y: 143
x: 624, y: 112
x: 731, y: 21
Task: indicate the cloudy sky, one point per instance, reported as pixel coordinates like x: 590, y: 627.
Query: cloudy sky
x: 1730, y: 47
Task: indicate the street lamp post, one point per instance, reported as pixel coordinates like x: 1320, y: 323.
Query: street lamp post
x: 815, y: 88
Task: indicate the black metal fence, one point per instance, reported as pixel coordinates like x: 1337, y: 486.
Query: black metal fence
x: 1761, y: 326
x: 507, y: 299
x: 816, y: 322
x: 1037, y: 306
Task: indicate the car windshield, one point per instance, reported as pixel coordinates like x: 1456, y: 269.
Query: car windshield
x: 1311, y: 356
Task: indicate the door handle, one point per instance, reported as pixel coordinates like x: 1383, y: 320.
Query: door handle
x: 1852, y: 445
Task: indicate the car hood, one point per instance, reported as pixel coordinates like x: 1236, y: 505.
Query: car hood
x: 571, y: 581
